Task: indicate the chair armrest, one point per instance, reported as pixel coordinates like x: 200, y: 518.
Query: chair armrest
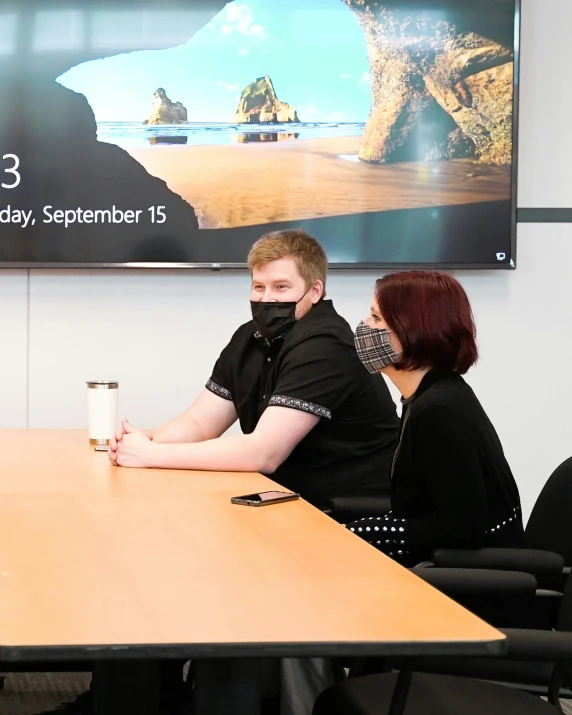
x: 539, y: 563
x: 525, y: 644
x: 344, y: 509
x: 457, y: 583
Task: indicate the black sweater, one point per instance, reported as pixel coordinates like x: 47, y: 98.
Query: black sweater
x: 451, y: 486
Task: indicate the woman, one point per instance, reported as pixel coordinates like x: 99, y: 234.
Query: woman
x: 451, y: 485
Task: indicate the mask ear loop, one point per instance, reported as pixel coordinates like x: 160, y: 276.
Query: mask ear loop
x: 305, y: 294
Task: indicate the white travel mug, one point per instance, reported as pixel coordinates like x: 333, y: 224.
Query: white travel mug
x: 102, y: 403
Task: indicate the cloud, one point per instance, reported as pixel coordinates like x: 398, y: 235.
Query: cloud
x: 365, y: 80
x: 347, y: 76
x: 243, y: 51
x: 229, y: 87
x: 238, y: 17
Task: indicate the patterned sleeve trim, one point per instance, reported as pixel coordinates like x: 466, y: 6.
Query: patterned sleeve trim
x: 218, y: 390
x: 387, y: 533
x: 296, y: 404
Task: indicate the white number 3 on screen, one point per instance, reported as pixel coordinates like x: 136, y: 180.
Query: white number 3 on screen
x: 13, y: 170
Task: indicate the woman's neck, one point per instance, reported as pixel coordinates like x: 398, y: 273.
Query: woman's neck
x: 406, y: 381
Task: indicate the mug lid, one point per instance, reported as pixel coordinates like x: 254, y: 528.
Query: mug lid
x: 102, y: 384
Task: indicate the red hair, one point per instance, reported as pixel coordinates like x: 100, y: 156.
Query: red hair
x: 431, y: 315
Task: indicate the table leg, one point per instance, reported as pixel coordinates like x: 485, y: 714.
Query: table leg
x: 224, y: 686
x: 126, y: 687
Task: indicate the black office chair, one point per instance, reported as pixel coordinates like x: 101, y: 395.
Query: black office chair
x: 549, y: 525
x: 548, y: 529
x: 548, y: 555
x: 427, y: 695
x: 412, y: 693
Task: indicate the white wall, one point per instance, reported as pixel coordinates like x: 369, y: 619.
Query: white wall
x: 545, y: 140
x: 159, y: 332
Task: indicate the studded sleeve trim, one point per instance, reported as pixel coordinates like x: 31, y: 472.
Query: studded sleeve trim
x: 399, y: 538
x: 387, y: 533
x: 515, y: 516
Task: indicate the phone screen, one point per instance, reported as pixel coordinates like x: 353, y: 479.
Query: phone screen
x: 265, y: 496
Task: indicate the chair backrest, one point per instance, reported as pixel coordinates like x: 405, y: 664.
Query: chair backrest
x: 549, y: 525
x: 565, y: 608
x: 565, y: 624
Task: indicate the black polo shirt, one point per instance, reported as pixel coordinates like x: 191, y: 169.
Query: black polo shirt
x: 315, y: 368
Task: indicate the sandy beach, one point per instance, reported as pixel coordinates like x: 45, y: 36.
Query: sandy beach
x: 257, y: 183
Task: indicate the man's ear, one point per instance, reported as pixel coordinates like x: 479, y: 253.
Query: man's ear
x: 316, y: 291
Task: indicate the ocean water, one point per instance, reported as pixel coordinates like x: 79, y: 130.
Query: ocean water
x: 135, y: 134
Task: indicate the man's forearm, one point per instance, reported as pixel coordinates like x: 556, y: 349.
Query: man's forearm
x: 236, y: 453
x: 179, y: 430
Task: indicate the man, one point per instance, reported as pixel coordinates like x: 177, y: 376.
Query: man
x: 310, y: 413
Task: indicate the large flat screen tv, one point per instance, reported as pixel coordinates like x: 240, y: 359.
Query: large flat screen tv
x: 175, y: 133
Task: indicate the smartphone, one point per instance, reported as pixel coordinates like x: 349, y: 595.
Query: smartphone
x: 264, y: 498
x: 101, y: 448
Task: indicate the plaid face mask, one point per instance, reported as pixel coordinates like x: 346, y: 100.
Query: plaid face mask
x: 374, y: 348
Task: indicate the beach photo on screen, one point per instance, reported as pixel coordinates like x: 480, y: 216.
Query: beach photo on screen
x: 385, y: 128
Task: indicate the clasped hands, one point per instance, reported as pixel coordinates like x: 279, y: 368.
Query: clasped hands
x: 131, y: 447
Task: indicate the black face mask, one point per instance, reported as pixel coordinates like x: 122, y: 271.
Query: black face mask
x: 273, y: 319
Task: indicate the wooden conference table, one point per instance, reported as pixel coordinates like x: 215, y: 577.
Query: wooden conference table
x: 122, y: 567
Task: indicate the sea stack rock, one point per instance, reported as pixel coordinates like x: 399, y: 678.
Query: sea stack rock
x: 165, y: 111
x: 259, y: 105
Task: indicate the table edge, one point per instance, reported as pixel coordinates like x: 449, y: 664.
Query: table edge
x: 252, y: 650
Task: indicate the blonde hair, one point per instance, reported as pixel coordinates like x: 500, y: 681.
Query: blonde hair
x: 309, y: 256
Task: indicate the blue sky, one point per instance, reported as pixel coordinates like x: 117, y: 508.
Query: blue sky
x: 313, y: 50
